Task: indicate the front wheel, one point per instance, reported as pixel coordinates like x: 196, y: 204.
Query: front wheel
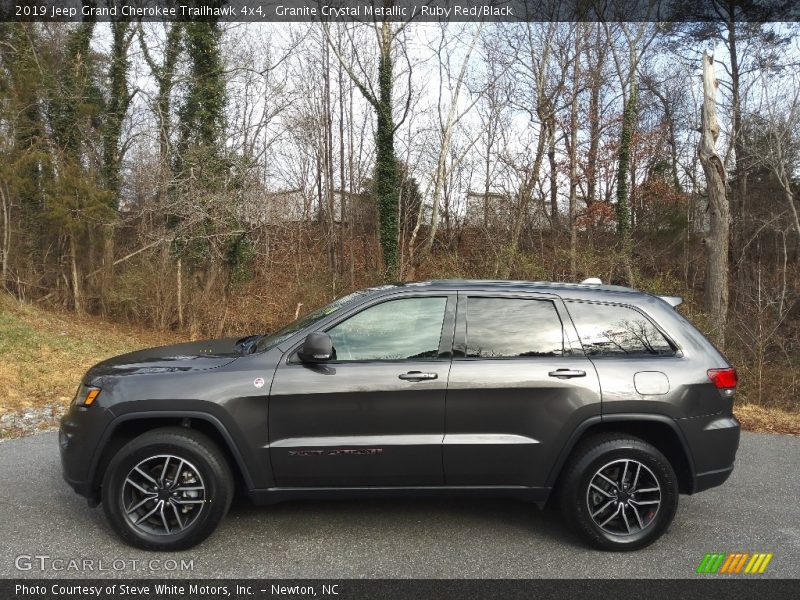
x: 619, y: 492
x: 167, y: 489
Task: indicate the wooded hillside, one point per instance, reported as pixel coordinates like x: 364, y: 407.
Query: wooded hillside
x: 210, y: 178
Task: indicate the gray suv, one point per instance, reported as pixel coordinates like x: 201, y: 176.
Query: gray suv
x: 602, y: 399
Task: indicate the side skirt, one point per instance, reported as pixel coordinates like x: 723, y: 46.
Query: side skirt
x: 537, y: 495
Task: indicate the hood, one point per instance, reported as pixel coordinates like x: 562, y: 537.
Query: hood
x: 189, y: 356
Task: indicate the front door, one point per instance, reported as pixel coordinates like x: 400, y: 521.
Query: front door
x: 519, y: 385
x: 373, y: 416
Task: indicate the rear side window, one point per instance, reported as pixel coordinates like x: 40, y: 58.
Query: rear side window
x: 512, y: 327
x: 611, y: 330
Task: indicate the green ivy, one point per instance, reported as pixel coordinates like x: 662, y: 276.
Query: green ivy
x: 623, y: 212
x: 386, y: 174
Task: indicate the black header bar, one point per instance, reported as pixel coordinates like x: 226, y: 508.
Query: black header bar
x: 401, y: 10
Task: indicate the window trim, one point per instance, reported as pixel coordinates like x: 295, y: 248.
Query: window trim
x: 445, y: 339
x: 677, y: 351
x: 460, y: 338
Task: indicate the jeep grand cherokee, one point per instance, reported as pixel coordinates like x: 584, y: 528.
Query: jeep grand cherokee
x: 603, y: 398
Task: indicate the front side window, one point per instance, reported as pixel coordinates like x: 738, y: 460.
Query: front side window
x: 512, y: 327
x: 270, y: 341
x: 404, y: 329
x: 611, y: 330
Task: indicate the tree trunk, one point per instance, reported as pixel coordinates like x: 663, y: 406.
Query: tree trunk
x: 6, y: 237
x: 736, y: 135
x: 117, y: 107
x: 179, y: 290
x: 573, y: 158
x: 342, y: 184
x: 716, y: 280
x: 328, y: 163
x: 788, y: 193
x: 386, y: 183
x: 551, y: 159
x: 596, y: 84
x: 594, y: 141
x: 107, y: 265
x: 524, y: 194
x: 77, y: 297
x: 623, y: 212
x: 444, y: 149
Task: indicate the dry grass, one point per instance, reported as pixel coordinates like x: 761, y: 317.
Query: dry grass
x: 44, y: 354
x: 769, y: 420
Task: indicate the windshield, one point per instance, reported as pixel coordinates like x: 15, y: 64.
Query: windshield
x: 273, y: 339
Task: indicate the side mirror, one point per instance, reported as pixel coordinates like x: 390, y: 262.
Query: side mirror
x: 317, y: 348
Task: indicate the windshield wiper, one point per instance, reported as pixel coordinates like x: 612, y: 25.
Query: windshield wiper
x: 248, y: 344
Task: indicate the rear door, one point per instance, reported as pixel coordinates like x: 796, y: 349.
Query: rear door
x: 374, y: 416
x: 519, y: 385
x: 634, y: 357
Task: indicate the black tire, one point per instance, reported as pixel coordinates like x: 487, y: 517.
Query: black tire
x: 201, y: 457
x: 609, y: 453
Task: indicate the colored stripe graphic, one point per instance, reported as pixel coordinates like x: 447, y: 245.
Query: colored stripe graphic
x: 732, y: 563
x: 711, y: 562
x: 764, y: 564
x: 704, y: 563
x: 754, y: 564
x: 758, y: 563
x: 740, y: 563
x: 714, y: 567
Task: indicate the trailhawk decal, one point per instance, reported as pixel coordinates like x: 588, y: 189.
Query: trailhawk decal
x: 337, y: 452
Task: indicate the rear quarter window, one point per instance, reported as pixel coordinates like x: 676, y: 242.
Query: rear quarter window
x: 615, y: 330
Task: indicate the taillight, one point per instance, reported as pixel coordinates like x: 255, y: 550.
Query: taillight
x: 723, y: 379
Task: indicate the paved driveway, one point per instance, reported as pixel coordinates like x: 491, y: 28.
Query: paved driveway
x: 757, y: 510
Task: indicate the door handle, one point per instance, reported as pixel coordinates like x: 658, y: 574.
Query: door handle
x: 418, y: 376
x: 567, y: 373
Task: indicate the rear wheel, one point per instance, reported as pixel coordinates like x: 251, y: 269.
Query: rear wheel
x: 167, y: 489
x: 619, y: 492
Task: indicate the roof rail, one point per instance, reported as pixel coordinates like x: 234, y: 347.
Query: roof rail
x: 592, y: 281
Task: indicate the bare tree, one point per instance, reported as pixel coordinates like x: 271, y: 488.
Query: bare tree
x: 572, y: 147
x: 637, y: 39
x: 539, y: 56
x: 716, y: 282
x: 780, y: 133
x: 448, y: 122
x: 389, y: 40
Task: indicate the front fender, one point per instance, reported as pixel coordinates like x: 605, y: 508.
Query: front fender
x: 245, y: 446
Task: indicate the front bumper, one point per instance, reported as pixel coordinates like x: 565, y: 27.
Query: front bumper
x: 713, y: 441
x: 78, y: 437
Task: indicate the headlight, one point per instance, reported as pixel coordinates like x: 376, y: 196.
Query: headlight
x: 86, y: 395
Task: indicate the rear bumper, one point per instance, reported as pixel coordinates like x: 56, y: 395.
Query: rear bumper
x: 713, y: 441
x: 704, y: 481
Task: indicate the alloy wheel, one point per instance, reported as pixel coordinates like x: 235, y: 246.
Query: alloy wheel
x: 623, y: 497
x: 163, y: 495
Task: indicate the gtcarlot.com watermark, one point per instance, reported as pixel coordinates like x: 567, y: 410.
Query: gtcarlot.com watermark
x: 46, y: 563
